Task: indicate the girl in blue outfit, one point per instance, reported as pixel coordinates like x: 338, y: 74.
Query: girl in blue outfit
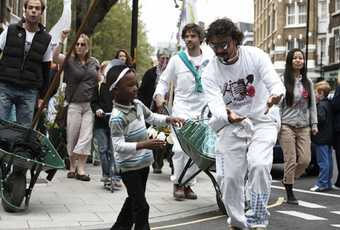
x: 130, y: 142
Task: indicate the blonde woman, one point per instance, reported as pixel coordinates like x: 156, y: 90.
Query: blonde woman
x: 81, y: 74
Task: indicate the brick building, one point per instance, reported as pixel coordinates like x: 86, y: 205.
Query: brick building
x: 332, y: 70
x: 280, y: 25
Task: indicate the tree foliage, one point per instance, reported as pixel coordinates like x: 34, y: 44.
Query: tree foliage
x: 110, y: 29
x: 114, y: 33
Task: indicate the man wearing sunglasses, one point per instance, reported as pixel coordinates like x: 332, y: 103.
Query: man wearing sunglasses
x: 24, y: 66
x: 184, y: 70
x: 241, y: 87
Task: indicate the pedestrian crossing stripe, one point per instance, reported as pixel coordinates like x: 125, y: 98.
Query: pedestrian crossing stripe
x: 336, y: 212
x: 309, y: 192
x: 310, y: 205
x: 302, y: 215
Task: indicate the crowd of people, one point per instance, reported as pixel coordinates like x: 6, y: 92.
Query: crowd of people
x: 251, y: 107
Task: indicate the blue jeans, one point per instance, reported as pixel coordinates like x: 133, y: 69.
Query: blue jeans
x: 103, y: 137
x: 325, y: 162
x: 23, y: 99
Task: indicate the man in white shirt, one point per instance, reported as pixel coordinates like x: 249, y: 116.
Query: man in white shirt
x: 188, y: 97
x: 24, y: 67
x: 241, y: 87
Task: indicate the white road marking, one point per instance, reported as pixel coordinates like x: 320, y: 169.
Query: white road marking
x: 336, y: 212
x: 309, y: 192
x: 335, y: 225
x: 302, y: 215
x: 309, y: 205
x: 187, y: 223
x: 278, y: 202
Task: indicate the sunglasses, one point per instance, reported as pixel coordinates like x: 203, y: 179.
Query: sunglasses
x: 80, y: 44
x: 223, y: 45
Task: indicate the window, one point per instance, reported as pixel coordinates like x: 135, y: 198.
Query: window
x: 268, y: 25
x: 296, y: 14
x: 302, y: 13
x: 337, y: 45
x: 322, y: 46
x: 300, y: 43
x: 291, y: 14
x: 323, y: 9
x: 290, y: 44
x: 337, y: 5
x: 273, y: 20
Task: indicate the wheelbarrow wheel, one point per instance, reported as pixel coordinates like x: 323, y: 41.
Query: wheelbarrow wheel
x: 220, y: 204
x: 14, y: 192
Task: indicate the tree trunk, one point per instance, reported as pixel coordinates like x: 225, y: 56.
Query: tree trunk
x: 101, y: 9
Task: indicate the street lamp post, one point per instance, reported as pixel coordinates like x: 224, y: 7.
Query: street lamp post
x: 134, y: 31
x: 307, y: 35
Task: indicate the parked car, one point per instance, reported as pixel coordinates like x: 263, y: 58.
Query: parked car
x: 313, y: 168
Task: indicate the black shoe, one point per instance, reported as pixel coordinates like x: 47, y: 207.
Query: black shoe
x: 290, y: 194
x: 83, y: 177
x: 157, y: 171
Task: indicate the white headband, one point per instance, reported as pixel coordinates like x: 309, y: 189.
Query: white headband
x: 121, y: 75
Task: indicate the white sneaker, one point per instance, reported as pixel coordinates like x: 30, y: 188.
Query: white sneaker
x: 316, y: 188
x: 334, y: 187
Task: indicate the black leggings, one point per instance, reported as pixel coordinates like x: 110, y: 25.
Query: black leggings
x: 135, y: 209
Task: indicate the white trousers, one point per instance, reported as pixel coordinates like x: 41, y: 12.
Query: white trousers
x: 234, y: 159
x: 179, y: 160
x: 80, y: 120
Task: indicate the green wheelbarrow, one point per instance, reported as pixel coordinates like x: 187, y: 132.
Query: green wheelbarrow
x: 23, y: 149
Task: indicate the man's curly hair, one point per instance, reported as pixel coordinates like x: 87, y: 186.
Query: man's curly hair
x: 192, y: 27
x: 224, y: 27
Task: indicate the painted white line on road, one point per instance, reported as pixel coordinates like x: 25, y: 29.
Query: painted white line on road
x: 302, y: 215
x: 278, y: 202
x: 335, y: 225
x: 336, y: 212
x: 309, y: 205
x: 187, y: 223
x: 309, y: 192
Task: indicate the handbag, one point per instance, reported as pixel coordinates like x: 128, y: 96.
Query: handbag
x: 61, y: 117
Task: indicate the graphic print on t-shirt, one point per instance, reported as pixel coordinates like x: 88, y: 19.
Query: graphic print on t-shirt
x: 239, y: 92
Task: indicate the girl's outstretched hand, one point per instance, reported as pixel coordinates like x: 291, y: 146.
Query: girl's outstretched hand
x: 151, y: 144
x: 176, y: 121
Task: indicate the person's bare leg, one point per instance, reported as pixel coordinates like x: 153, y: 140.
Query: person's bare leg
x: 81, y: 164
x: 73, y: 162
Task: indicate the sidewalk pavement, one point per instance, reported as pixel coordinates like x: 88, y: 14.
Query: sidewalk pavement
x: 72, y: 204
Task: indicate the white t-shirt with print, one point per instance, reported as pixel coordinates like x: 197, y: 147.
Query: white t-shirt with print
x: 29, y: 37
x: 243, y: 87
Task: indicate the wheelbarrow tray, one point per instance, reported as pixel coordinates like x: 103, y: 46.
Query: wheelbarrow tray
x: 198, y: 141
x: 50, y: 160
x: 193, y: 138
x: 13, y: 189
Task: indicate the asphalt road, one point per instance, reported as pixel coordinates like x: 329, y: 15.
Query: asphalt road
x: 317, y: 211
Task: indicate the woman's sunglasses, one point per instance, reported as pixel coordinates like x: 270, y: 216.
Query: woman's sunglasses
x: 80, y: 44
